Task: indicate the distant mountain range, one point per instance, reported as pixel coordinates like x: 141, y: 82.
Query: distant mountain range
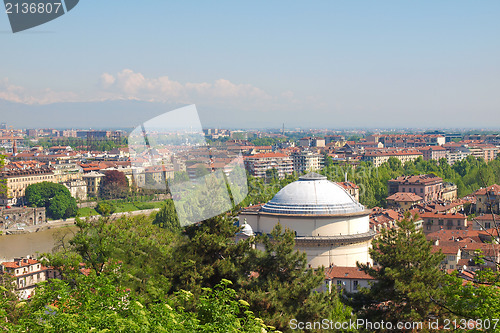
x: 107, y: 114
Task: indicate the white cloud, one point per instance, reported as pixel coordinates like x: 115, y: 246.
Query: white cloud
x: 130, y: 85
x: 18, y: 94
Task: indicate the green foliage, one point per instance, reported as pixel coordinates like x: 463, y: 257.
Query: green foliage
x: 56, y: 198
x: 478, y: 299
x: 208, y: 255
x: 9, y: 307
x: 469, y: 175
x: 167, y: 217
x: 105, y: 145
x: 265, y: 141
x: 98, y: 303
x: 284, y: 287
x: 3, y: 188
x: 408, y: 280
x: 105, y: 208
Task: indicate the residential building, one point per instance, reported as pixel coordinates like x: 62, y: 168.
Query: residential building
x: 307, y: 161
x: 312, y: 142
x: 454, y: 153
x: 449, y: 192
x: 27, y: 273
x: 429, y: 186
x: 408, y: 140
x: 433, y: 153
x: 380, y: 156
x: 351, y: 188
x: 93, y: 179
x: 485, y: 221
x: 451, y: 251
x: 488, y: 200
x: 439, y: 221
x: 258, y: 164
x: 348, y: 279
x: 17, y: 181
x: 64, y: 172
x: 402, y: 200
x: 77, y: 188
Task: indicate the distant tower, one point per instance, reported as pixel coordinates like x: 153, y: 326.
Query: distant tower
x: 14, y: 147
x: 283, y: 130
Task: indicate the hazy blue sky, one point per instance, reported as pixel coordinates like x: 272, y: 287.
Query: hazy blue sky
x: 261, y: 63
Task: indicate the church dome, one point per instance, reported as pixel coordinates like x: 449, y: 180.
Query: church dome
x: 312, y: 194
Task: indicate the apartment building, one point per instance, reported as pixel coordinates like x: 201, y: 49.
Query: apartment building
x: 380, y: 156
x: 27, y: 273
x: 433, y: 153
x: 488, y: 200
x: 307, y: 161
x: 443, y: 221
x: 429, y: 187
x: 16, y: 182
x: 258, y: 164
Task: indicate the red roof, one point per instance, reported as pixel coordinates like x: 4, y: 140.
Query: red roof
x: 405, y: 197
x: 339, y: 272
x: 20, y: 263
x: 493, y: 189
x: 443, y: 216
x: 266, y: 155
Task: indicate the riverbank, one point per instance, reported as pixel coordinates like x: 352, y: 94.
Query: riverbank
x: 67, y: 222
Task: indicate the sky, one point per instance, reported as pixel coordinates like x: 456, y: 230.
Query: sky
x: 325, y: 64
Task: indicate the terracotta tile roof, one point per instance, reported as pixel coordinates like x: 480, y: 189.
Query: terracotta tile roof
x: 338, y: 272
x: 493, y: 189
x: 405, y: 197
x: 348, y: 185
x: 442, y: 215
x: 266, y: 155
x: 446, y: 248
x: 417, y: 179
x: 436, y: 148
x: 20, y: 263
x: 487, y: 217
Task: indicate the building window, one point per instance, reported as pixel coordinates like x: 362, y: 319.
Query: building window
x: 355, y: 285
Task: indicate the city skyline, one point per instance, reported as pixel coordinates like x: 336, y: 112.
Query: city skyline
x: 326, y: 64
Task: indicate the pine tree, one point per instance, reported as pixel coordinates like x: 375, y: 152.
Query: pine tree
x: 167, y: 217
x: 408, y: 277
x: 284, y: 288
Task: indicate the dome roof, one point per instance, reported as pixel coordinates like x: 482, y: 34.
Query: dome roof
x: 247, y: 229
x: 312, y: 194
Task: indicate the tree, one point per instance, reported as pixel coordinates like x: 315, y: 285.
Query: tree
x: 2, y: 182
x: 167, y: 217
x: 285, y: 288
x: 272, y: 174
x: 105, y: 208
x: 408, y: 277
x: 56, y: 198
x: 99, y: 303
x: 113, y: 185
x: 208, y: 255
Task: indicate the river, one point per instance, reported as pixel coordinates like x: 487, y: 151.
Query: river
x: 22, y: 245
